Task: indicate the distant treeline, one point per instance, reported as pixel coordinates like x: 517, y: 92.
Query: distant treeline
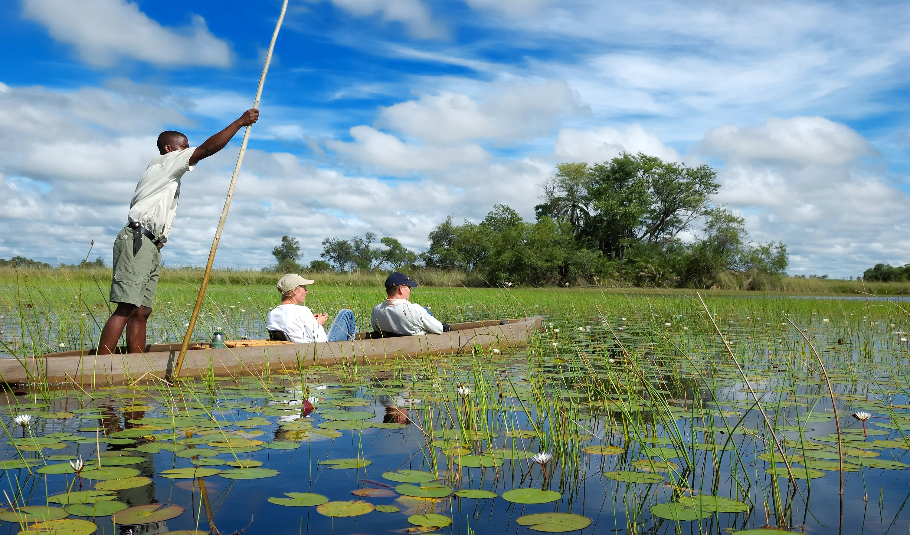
x: 886, y: 273
x: 22, y: 262
x: 620, y: 221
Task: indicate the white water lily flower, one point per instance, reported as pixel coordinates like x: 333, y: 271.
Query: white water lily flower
x: 862, y: 416
x: 464, y: 391
x: 555, y: 344
x: 289, y: 418
x: 62, y: 344
x: 78, y: 464
x: 667, y: 324
x: 23, y: 419
x: 322, y: 387
x: 496, y: 351
x: 313, y: 399
x: 826, y: 320
x: 611, y: 361
x: 581, y: 329
x: 542, y: 458
x: 555, y: 330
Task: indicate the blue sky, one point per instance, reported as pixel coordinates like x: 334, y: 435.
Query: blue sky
x: 388, y: 115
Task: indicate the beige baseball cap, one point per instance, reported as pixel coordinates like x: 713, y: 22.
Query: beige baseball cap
x: 291, y: 281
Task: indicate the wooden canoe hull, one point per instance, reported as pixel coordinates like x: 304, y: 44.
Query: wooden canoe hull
x: 105, y: 370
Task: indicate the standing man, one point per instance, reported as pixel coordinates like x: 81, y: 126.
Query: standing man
x: 137, y: 249
x: 398, y: 315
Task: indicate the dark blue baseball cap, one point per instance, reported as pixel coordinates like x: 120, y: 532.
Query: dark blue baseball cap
x: 397, y: 279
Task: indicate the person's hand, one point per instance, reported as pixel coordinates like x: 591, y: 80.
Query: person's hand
x: 321, y: 318
x: 249, y: 117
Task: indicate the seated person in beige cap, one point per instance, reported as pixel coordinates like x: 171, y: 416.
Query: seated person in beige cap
x: 298, y: 323
x: 398, y: 315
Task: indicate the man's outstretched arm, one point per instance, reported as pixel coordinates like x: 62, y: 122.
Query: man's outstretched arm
x: 221, y: 139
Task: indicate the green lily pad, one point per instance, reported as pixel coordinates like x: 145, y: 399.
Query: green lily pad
x: 332, y: 414
x: 410, y: 476
x: 374, y: 493
x: 207, y: 462
x: 424, y: 490
x: 629, y: 476
x: 388, y: 425
x: 475, y: 494
x: 345, y: 509
x: 146, y: 514
x: 123, y: 484
x: 189, y: 473
x: 244, y: 463
x: 346, y: 425
x: 300, y: 499
x: 342, y: 464
x: 430, y: 521
x: 716, y: 504
x: 15, y: 464
x: 281, y: 445
x: 67, y: 526
x: 59, y: 468
x: 554, y: 522
x: 477, y: 461
x: 877, y: 463
x: 603, y: 450
x: 528, y: 496
x: 103, y: 508
x: 82, y: 496
x: 249, y: 473
x: 196, y: 452
x: 33, y: 513
x: 679, y: 512
x: 387, y: 509
x: 113, y: 472
x: 123, y: 460
x: 798, y: 473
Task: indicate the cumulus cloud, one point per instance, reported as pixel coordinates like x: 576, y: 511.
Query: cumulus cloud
x: 801, y: 181
x: 603, y: 144
x: 798, y: 139
x: 388, y: 154
x: 105, y: 31
x: 413, y: 14
x: 506, y: 112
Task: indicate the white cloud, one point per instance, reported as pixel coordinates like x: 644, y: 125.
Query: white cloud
x: 798, y: 139
x: 594, y: 146
x: 104, y: 31
x: 388, y: 154
x: 510, y: 7
x: 413, y: 14
x: 506, y: 112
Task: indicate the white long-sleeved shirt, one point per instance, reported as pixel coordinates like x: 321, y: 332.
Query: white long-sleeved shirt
x: 401, y: 316
x: 297, y: 322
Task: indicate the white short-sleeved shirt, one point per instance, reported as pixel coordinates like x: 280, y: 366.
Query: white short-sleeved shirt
x: 154, y: 204
x: 401, y: 316
x: 297, y: 322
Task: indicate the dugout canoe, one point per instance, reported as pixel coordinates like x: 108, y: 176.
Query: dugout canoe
x: 254, y: 356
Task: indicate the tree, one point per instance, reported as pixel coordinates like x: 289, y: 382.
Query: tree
x: 339, y: 253
x: 395, y: 254
x: 287, y: 254
x: 566, y: 195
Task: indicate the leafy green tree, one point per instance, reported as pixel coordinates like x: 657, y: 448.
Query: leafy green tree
x: 395, y: 255
x: 566, y: 195
x: 887, y: 273
x: 365, y: 255
x: 319, y: 266
x: 287, y: 253
x: 338, y: 253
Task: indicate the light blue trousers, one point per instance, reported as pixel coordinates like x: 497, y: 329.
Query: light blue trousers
x: 344, y: 327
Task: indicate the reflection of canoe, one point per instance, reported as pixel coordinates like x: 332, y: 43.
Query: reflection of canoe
x: 278, y: 357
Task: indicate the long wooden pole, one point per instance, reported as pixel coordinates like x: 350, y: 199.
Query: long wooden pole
x: 227, y: 202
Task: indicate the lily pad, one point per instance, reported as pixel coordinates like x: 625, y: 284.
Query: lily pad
x: 528, y: 496
x: 477, y: 461
x: 146, y: 514
x: 59, y: 468
x: 103, y: 508
x: 716, y: 504
x: 189, y: 473
x: 345, y: 509
x: 629, y: 476
x: 123, y: 484
x: 387, y: 509
x: 554, y: 522
x: 341, y: 415
x: 343, y: 464
x: 281, y: 445
x: 430, y: 521
x: 82, y: 496
x: 196, y: 452
x: 113, y: 472
x: 410, y: 476
x: 374, y: 493
x: 249, y: 473
x: 476, y: 494
x: 123, y: 460
x: 14, y: 464
x: 424, y: 490
x: 33, y: 513
x: 798, y: 473
x: 300, y: 499
x: 67, y: 526
x: 602, y: 450
x: 679, y: 512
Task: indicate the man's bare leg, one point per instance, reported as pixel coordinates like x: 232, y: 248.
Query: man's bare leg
x: 135, y: 329
x: 112, y: 330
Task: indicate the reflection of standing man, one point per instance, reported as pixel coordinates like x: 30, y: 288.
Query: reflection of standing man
x: 137, y: 249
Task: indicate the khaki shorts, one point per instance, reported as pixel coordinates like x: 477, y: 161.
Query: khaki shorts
x: 135, y: 277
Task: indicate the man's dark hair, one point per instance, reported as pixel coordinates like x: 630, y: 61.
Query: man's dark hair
x: 168, y: 137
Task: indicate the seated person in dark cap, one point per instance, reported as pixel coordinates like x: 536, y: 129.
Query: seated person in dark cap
x: 398, y: 315
x: 298, y: 322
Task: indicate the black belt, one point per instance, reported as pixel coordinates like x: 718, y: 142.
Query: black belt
x: 138, y: 232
